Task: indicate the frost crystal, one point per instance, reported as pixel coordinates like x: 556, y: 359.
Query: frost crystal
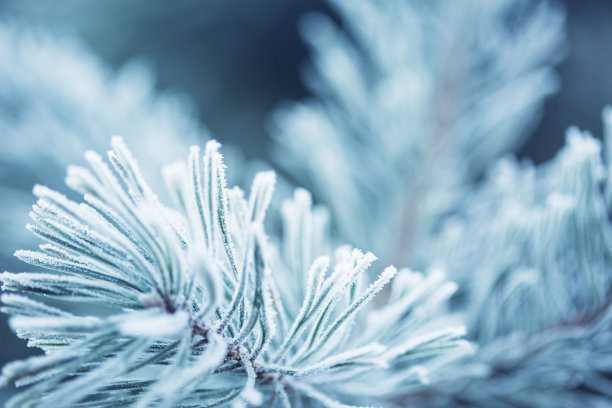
x: 189, y: 306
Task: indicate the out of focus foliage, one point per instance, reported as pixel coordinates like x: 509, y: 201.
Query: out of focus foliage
x: 57, y: 100
x: 414, y: 101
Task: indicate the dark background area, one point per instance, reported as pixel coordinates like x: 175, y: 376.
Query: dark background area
x: 239, y: 59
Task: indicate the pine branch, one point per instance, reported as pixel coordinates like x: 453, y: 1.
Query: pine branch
x: 192, y: 304
x: 539, y: 255
x: 412, y: 101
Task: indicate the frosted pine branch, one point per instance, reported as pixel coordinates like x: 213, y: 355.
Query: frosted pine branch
x: 191, y: 306
x: 539, y: 255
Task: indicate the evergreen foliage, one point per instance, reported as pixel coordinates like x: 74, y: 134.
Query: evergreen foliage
x: 197, y: 309
x: 209, y: 296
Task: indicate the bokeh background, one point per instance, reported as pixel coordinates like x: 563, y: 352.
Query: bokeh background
x: 238, y: 59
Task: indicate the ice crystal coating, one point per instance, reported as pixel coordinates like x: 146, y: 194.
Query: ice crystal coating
x: 146, y: 305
